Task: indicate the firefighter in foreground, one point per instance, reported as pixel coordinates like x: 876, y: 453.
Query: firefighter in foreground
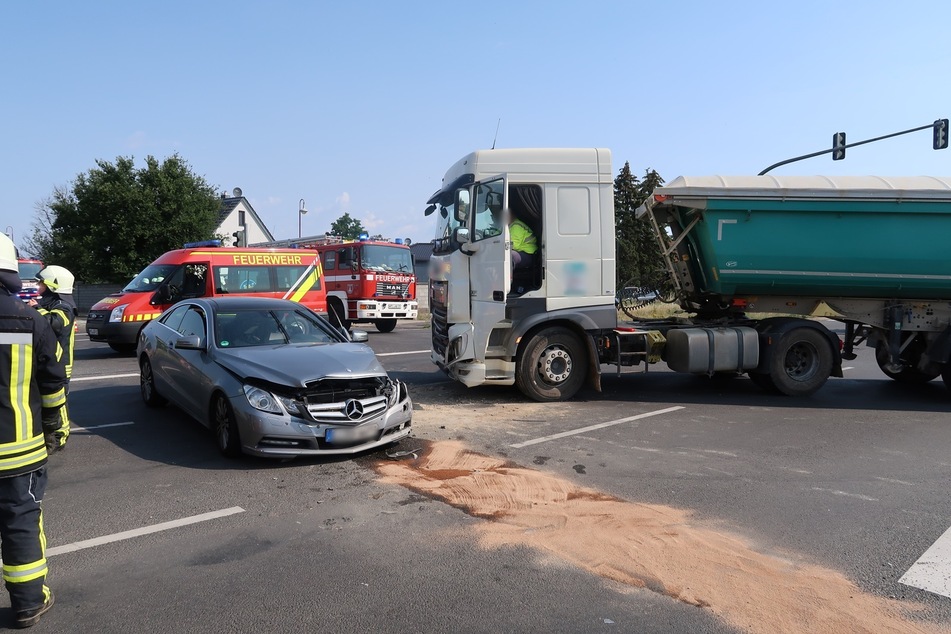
x: 56, y: 303
x: 32, y: 391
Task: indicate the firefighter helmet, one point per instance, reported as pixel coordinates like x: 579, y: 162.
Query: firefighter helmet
x: 8, y: 254
x: 57, y: 279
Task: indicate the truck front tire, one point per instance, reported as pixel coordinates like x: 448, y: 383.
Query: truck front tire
x: 551, y: 366
x: 801, y: 362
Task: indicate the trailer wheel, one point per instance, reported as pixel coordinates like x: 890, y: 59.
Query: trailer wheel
x: 801, y: 362
x: 551, y: 366
x: 909, y: 373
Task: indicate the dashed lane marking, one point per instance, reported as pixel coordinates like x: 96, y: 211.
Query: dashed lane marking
x: 77, y: 429
x: 932, y: 571
x: 583, y: 430
x: 145, y: 530
x: 100, y: 377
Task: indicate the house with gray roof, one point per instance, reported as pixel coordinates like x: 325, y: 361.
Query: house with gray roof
x: 237, y: 213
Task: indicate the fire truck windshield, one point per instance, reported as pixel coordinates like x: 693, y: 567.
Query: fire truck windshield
x: 388, y: 258
x: 150, y: 278
x: 28, y: 270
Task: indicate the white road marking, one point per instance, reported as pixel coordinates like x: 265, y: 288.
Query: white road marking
x: 77, y: 428
x: 100, y: 377
x: 846, y: 494
x: 894, y: 481
x: 145, y: 530
x: 582, y: 430
x: 393, y: 354
x: 932, y: 571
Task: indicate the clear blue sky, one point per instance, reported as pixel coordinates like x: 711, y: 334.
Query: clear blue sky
x: 362, y: 106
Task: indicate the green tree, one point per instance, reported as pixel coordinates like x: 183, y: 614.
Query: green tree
x: 347, y: 227
x: 115, y: 219
x: 638, y: 255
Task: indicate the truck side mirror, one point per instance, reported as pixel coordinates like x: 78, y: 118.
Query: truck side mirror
x: 461, y: 235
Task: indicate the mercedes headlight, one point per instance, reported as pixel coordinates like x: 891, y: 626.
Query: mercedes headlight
x: 262, y: 400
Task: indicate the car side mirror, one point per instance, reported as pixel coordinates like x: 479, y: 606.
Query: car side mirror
x: 160, y: 297
x: 191, y: 342
x: 359, y: 336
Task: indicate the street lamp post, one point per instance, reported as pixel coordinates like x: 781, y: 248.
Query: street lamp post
x: 300, y: 215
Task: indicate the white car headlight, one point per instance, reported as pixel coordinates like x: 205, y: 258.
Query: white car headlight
x: 262, y: 400
x: 117, y: 312
x: 292, y: 406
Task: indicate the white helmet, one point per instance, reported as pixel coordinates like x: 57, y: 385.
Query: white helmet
x: 57, y: 279
x: 8, y: 254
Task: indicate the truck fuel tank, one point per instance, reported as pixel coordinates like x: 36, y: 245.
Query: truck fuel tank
x: 709, y: 350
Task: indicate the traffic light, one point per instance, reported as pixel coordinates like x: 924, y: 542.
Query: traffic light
x: 940, y: 134
x: 240, y: 239
x: 838, y: 146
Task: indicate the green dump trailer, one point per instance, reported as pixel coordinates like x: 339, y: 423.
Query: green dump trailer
x: 873, y: 249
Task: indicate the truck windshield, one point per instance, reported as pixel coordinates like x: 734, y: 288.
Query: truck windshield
x: 150, y: 278
x: 28, y: 270
x: 446, y: 224
x: 380, y: 257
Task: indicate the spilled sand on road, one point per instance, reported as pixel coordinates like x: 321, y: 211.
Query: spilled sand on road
x: 646, y: 545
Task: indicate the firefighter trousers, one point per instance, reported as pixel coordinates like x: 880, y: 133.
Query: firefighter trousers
x: 22, y: 540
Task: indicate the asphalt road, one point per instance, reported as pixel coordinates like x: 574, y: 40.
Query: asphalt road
x: 853, y: 479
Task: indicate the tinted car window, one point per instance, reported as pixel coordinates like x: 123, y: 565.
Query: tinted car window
x: 173, y: 318
x: 193, y: 323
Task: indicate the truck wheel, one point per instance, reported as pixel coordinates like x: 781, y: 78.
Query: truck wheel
x: 909, y: 373
x: 801, y: 362
x: 385, y: 325
x: 336, y: 312
x: 551, y: 366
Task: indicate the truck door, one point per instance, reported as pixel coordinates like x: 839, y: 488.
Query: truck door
x: 490, y: 269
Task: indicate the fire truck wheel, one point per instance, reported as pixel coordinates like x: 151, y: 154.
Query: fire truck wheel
x: 551, y: 366
x: 385, y: 325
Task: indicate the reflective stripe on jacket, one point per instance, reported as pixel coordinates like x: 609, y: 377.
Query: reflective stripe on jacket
x: 32, y: 382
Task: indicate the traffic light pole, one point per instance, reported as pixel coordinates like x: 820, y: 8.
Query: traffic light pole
x: 940, y: 142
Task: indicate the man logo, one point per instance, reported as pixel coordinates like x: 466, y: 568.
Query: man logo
x: 353, y: 409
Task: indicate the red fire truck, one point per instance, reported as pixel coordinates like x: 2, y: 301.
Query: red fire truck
x: 28, y: 270
x: 367, y: 281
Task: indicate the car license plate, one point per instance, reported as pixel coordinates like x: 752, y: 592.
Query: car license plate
x: 93, y: 331
x: 350, y: 435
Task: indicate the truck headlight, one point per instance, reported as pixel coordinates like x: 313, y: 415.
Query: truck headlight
x: 262, y: 400
x: 117, y: 312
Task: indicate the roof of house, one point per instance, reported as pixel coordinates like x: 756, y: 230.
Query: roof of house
x: 228, y: 206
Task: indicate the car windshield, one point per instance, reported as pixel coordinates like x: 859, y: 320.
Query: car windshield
x: 250, y: 327
x: 150, y: 278
x: 380, y: 257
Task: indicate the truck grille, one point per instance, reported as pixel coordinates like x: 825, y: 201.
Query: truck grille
x: 440, y: 328
x: 392, y: 289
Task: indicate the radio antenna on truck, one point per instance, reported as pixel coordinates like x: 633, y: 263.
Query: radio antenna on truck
x: 496, y: 132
